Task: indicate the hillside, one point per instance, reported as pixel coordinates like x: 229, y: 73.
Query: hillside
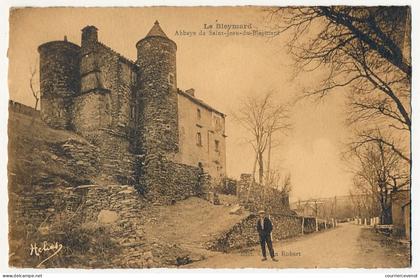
x: 41, y: 156
x: 54, y: 196
x: 193, y: 222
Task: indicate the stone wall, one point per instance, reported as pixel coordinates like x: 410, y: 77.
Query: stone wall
x: 115, y: 209
x: 90, y: 113
x: 165, y: 181
x: 79, y: 158
x: 227, y: 186
x: 400, y: 201
x: 118, y: 75
x: 29, y: 209
x: 120, y: 208
x: 103, y: 112
x: 124, y: 213
x: 255, y: 197
x: 109, y: 221
x: 244, y: 234
x: 23, y: 109
x: 128, y: 110
x: 59, y: 81
x: 117, y: 162
x: 109, y: 82
x: 156, y: 58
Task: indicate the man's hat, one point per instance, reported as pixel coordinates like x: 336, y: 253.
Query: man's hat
x: 261, y: 211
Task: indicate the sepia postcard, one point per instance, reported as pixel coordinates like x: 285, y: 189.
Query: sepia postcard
x: 275, y: 137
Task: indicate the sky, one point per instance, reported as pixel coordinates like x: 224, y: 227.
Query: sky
x: 222, y: 70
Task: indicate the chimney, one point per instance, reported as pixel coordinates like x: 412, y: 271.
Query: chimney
x: 190, y: 92
x: 89, y: 35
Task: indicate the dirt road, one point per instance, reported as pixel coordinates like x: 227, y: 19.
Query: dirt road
x: 347, y: 246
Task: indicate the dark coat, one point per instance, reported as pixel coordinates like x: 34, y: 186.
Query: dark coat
x: 268, y: 226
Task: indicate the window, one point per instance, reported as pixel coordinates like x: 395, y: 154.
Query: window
x: 198, y: 113
x: 199, y: 143
x: 133, y: 79
x: 217, y: 123
x: 132, y: 112
x: 171, y: 79
x: 216, y: 145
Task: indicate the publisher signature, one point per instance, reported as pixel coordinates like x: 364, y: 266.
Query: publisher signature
x: 45, y: 247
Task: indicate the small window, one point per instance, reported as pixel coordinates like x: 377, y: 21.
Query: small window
x: 198, y: 113
x: 133, y: 111
x: 217, y: 123
x: 199, y: 143
x: 171, y: 79
x: 133, y: 79
x: 216, y: 145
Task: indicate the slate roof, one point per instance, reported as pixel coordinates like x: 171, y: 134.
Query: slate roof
x: 156, y: 31
x: 200, y: 102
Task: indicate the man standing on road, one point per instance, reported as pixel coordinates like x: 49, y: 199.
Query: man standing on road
x: 264, y: 228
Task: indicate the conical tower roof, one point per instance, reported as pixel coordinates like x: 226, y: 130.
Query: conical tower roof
x: 156, y: 31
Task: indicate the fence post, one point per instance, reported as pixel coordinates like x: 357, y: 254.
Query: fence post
x: 303, y: 224
x: 316, y: 224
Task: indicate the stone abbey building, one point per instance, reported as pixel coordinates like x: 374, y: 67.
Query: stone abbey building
x: 150, y: 133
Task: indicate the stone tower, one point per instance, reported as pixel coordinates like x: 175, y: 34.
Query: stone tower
x: 59, y: 81
x: 156, y: 58
x: 90, y: 114
x: 129, y: 111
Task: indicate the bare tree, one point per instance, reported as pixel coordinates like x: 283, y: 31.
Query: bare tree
x: 363, y: 49
x: 379, y: 29
x: 378, y: 172
x: 286, y: 184
x: 34, y: 85
x: 356, y: 207
x: 262, y: 118
x: 275, y: 179
x: 375, y: 135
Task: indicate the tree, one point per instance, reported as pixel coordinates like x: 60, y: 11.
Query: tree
x: 34, y: 86
x: 379, y: 171
x: 364, y: 203
x: 368, y: 136
x: 363, y: 49
x: 283, y: 184
x: 262, y: 118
